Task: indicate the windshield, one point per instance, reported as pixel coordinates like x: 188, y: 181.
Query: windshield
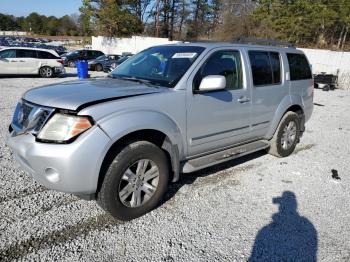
x: 101, y: 57
x: 161, y: 65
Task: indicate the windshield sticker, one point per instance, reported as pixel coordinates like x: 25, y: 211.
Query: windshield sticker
x: 184, y: 55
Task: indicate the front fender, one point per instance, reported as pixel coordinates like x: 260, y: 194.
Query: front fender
x: 286, y: 103
x: 121, y: 124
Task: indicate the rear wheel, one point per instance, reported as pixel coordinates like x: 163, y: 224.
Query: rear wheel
x: 135, y: 181
x: 286, y: 136
x: 46, y: 72
x: 71, y: 64
x: 98, y: 67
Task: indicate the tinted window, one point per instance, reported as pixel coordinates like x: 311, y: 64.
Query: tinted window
x: 261, y: 68
x: 23, y: 53
x: 299, y: 67
x: 276, y: 67
x: 46, y: 55
x: 224, y: 63
x: 8, y: 54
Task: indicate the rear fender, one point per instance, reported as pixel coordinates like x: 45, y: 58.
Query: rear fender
x: 286, y: 103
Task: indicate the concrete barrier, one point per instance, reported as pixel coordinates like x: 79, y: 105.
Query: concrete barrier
x: 331, y: 62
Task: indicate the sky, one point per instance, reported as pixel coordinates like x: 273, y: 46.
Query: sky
x: 44, y: 7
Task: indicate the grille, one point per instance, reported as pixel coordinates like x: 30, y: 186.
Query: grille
x: 23, y: 122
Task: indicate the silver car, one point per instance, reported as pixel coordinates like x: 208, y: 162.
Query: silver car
x: 168, y: 110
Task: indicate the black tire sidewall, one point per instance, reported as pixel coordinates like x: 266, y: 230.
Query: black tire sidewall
x: 285, y: 121
x: 98, y: 68
x: 109, y: 193
x: 70, y: 64
x: 46, y: 67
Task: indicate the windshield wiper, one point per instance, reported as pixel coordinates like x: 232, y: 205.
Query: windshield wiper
x: 138, y: 80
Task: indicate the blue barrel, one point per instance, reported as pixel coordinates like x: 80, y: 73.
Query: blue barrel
x: 82, y: 69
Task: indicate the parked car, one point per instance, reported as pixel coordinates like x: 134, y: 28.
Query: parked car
x: 71, y: 57
x: 167, y: 110
x: 30, y: 61
x: 113, y: 64
x: 101, y: 62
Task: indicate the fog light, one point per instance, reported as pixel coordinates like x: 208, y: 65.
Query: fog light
x: 52, y: 175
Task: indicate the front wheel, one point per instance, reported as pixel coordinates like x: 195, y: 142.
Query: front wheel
x: 286, y: 136
x: 135, y: 181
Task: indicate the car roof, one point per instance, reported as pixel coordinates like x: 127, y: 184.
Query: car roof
x: 31, y: 48
x: 211, y: 45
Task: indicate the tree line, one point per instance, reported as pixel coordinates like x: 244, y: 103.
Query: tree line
x: 317, y: 23
x: 41, y: 24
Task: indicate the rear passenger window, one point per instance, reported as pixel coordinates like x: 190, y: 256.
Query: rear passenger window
x: 299, y: 67
x: 23, y: 53
x: 46, y: 55
x: 266, y: 67
x: 224, y: 63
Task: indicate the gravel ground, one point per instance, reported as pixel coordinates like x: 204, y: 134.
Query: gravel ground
x: 253, y: 207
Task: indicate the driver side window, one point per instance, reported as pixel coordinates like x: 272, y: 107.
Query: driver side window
x: 224, y: 63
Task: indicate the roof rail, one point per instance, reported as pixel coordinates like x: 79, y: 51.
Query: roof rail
x: 262, y: 41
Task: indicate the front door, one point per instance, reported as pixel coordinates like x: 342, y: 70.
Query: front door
x: 221, y: 118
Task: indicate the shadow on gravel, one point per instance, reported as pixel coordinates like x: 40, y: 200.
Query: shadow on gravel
x: 188, y: 179
x: 289, y: 237
x: 32, y: 245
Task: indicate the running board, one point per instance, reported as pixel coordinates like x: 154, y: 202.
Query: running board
x: 222, y: 156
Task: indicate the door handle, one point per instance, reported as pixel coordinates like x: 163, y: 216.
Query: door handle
x: 21, y: 61
x: 243, y: 99
x: 12, y: 61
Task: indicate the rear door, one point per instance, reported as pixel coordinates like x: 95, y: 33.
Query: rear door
x: 8, y: 62
x: 268, y: 88
x: 301, y: 83
x: 220, y: 118
x: 28, y: 62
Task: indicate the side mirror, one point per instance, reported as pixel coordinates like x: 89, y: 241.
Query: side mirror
x: 212, y: 83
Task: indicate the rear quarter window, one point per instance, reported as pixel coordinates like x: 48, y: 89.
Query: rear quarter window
x: 299, y: 67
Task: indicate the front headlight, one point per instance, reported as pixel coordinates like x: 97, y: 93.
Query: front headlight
x: 62, y: 127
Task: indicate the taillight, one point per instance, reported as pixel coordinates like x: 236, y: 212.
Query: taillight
x: 60, y: 61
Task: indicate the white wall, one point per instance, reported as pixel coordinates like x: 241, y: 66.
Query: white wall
x: 321, y: 60
x: 330, y: 62
x: 134, y: 44
x: 13, y: 33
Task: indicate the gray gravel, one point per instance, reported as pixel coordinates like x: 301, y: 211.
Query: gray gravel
x: 218, y: 214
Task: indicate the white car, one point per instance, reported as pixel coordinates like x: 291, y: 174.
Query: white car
x: 30, y: 61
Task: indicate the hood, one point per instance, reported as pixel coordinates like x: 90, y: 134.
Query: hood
x: 76, y: 95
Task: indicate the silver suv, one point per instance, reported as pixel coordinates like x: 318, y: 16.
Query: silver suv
x: 167, y: 110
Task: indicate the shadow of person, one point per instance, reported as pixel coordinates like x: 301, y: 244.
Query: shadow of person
x: 289, y: 237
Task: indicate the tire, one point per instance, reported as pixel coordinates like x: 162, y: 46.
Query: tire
x: 277, y: 146
x: 46, y: 72
x: 118, y: 178
x: 98, y: 67
x: 71, y: 64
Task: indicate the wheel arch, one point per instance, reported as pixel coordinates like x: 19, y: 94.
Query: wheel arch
x: 292, y: 104
x: 154, y: 136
